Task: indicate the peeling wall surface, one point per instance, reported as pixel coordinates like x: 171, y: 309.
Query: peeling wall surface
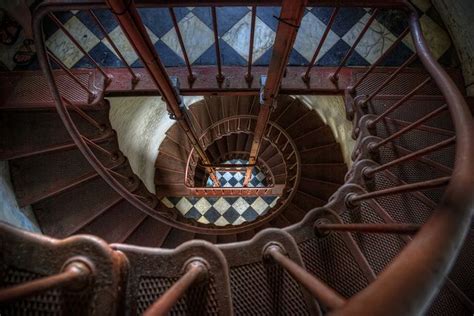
x: 10, y: 212
x: 459, y: 19
x: 141, y: 124
x: 332, y: 111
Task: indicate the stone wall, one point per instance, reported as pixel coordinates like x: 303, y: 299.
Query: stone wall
x: 458, y: 17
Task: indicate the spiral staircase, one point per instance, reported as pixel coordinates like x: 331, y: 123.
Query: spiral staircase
x: 389, y: 234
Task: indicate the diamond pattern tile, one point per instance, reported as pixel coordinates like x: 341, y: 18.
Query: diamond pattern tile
x: 226, y: 210
x: 195, y: 24
x: 311, y: 31
x: 375, y: 42
x: 63, y: 48
x: 124, y: 45
x: 238, y: 37
x: 197, y: 36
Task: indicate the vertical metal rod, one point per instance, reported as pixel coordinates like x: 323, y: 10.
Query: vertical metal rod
x: 323, y: 293
x: 196, y: 271
x: 369, y: 172
x: 219, y: 76
x: 135, y: 78
x: 410, y: 127
x: 75, y: 274
x: 291, y: 13
x: 82, y: 114
x: 418, y: 186
x: 335, y: 76
x: 248, y: 76
x: 66, y: 70
x: 379, y: 60
x: 133, y: 27
x: 397, y: 104
x: 306, y: 76
x: 390, y: 78
x: 391, y: 228
x: 191, y: 77
x: 79, y: 46
x: 99, y: 148
x: 119, y: 175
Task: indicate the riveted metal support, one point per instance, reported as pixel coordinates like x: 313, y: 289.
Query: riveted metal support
x: 134, y: 29
x: 290, y: 18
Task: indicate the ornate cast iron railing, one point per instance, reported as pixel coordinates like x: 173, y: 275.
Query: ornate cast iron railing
x: 406, y: 286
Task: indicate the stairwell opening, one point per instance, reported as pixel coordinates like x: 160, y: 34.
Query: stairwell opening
x: 297, y: 137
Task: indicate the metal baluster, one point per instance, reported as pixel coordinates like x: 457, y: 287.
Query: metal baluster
x: 335, y: 76
x: 323, y: 293
x: 306, y: 76
x: 191, y: 76
x: 370, y: 171
x: 379, y: 60
x: 76, y: 273
x: 354, y: 198
x: 84, y: 115
x: 397, y: 104
x: 408, y: 127
x: 108, y: 79
x: 135, y: 78
x: 70, y: 74
x: 389, y: 79
x: 219, y: 76
x: 248, y: 76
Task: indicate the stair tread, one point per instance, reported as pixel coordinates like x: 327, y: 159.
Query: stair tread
x: 315, y: 138
x: 115, y: 223
x: 417, y: 139
x: 331, y: 172
x: 60, y: 215
x: 23, y: 132
x: 176, y: 237
x: 330, y: 153
x: 40, y: 176
x: 306, y: 201
x: 150, y: 233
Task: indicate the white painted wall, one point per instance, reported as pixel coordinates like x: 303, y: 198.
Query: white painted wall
x: 141, y: 124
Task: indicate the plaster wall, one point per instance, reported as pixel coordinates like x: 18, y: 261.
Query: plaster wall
x: 141, y: 124
x: 332, y: 111
x: 459, y: 19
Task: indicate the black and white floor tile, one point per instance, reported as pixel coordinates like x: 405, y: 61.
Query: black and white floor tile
x: 195, y: 24
x: 222, y: 211
x: 226, y: 210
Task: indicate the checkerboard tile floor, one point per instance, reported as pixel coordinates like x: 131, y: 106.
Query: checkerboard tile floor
x: 236, y: 179
x: 226, y: 210
x: 223, y: 210
x: 195, y: 24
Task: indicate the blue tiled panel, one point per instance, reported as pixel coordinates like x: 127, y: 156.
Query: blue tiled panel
x: 168, y: 56
x: 269, y: 16
x: 234, y: 22
x: 228, y: 16
x: 159, y: 20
